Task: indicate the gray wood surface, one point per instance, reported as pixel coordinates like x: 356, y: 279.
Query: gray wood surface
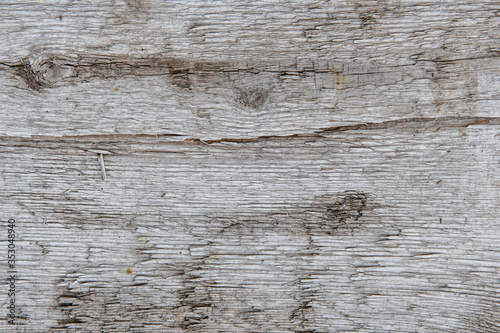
x: 251, y: 166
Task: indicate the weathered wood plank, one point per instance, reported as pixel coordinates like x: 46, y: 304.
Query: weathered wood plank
x: 388, y: 229
x: 240, y: 69
x: 236, y: 166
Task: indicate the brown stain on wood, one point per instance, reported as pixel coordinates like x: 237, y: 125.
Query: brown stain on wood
x: 333, y: 215
x: 129, y: 12
x: 366, y: 15
x: 43, y: 69
x: 370, y: 11
x: 46, y: 70
x: 452, y: 77
x: 338, y: 78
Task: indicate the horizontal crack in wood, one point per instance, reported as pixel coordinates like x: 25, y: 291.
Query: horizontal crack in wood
x: 441, y: 122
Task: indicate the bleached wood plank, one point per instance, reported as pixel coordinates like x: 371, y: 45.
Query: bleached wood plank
x: 295, y: 166
x: 241, y: 69
x: 384, y: 228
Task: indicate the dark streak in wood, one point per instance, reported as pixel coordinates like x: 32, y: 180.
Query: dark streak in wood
x: 422, y: 123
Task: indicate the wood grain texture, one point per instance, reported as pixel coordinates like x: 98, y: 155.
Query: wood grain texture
x: 242, y: 68
x: 251, y: 166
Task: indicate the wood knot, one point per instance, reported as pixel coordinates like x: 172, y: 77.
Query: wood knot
x: 254, y: 98
x: 136, y: 5
x: 347, y: 207
x: 341, y: 211
x: 42, y: 71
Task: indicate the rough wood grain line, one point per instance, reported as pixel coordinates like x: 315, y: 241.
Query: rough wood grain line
x: 49, y: 70
x: 370, y: 230
x: 433, y: 124
x: 43, y: 69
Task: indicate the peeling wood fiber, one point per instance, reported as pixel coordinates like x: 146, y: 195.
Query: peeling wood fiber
x: 251, y: 166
